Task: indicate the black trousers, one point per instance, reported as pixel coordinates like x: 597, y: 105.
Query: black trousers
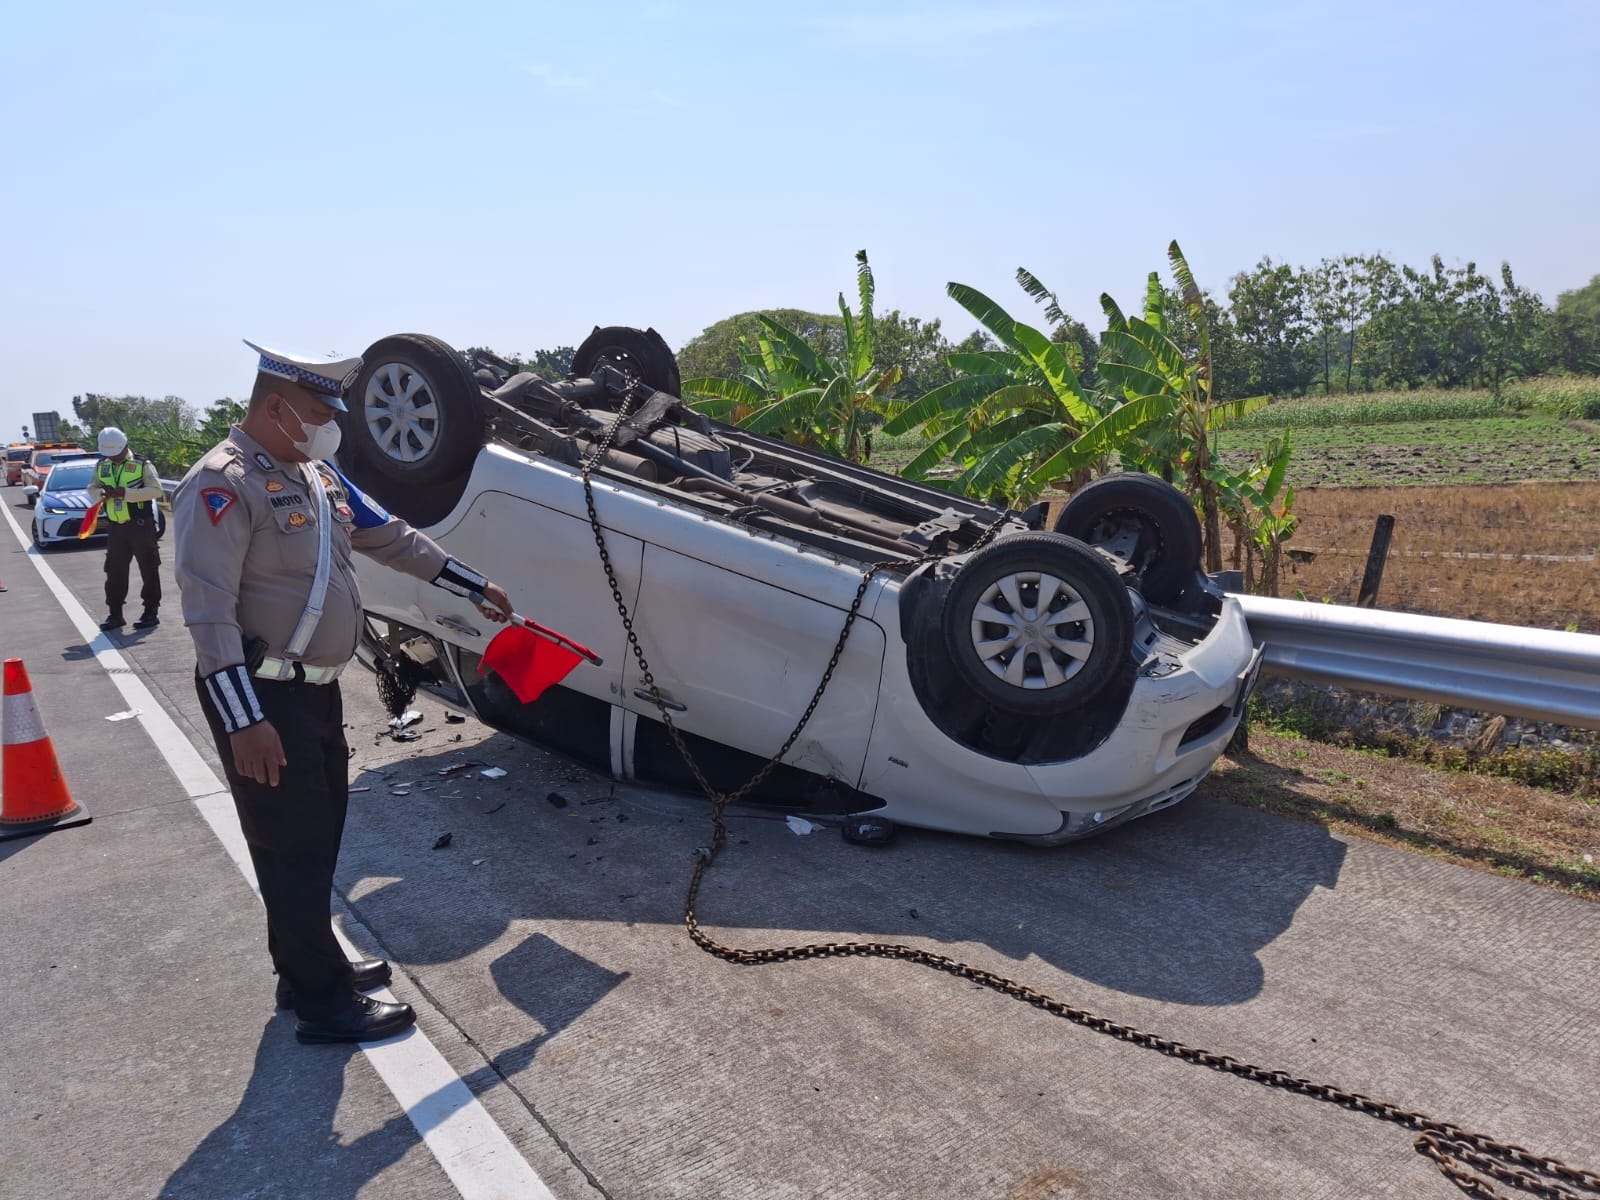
x: 127, y: 540
x: 293, y: 831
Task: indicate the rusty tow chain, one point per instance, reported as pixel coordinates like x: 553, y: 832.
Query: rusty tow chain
x: 1469, y: 1160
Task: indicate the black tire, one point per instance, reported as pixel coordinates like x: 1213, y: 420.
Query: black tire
x: 643, y: 354
x: 1007, y: 639
x: 1143, y: 521
x: 416, y: 415
x: 38, y: 545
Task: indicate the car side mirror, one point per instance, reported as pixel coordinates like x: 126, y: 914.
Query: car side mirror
x: 30, y: 492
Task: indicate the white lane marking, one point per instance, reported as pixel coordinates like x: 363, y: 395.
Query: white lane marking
x: 474, y: 1151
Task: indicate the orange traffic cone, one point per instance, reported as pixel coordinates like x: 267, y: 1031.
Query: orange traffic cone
x: 33, y: 796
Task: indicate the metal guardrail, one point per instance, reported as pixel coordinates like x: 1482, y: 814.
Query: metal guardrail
x: 1535, y: 674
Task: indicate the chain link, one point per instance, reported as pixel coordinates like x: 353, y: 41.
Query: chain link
x: 1469, y: 1160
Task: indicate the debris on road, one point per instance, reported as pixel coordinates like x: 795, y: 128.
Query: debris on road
x: 451, y: 718
x: 492, y: 772
x: 557, y: 800
x: 457, y: 767
x: 442, y: 842
x: 123, y: 716
x: 410, y: 717
x: 487, y: 811
x: 800, y: 825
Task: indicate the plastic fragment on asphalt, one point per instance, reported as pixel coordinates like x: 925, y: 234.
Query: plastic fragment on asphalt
x: 868, y: 831
x: 451, y: 718
x: 800, y: 825
x: 492, y: 772
x: 457, y: 768
x: 486, y: 811
x: 443, y: 841
x: 361, y: 788
x: 410, y: 717
x: 399, y: 791
x: 478, y: 862
x: 123, y: 716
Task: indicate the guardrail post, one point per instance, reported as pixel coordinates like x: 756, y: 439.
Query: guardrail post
x: 1376, y: 558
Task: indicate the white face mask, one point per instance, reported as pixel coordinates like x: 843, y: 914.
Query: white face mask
x: 321, y: 441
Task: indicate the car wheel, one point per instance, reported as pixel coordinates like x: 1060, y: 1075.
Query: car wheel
x: 1142, y: 521
x: 416, y: 414
x: 42, y: 547
x: 1037, y: 623
x: 643, y: 354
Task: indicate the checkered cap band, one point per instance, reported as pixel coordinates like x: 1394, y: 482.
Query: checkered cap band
x: 320, y: 383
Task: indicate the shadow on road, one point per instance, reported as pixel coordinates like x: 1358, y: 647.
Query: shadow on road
x: 285, y: 1138
x: 1175, y: 907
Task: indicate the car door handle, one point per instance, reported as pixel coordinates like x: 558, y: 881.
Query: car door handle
x: 457, y: 625
x: 657, y: 698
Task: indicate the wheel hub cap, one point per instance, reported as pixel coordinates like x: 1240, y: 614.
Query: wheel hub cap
x: 1032, y: 630
x: 401, y: 413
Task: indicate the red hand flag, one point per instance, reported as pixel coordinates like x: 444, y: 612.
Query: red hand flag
x: 528, y: 662
x: 90, y: 520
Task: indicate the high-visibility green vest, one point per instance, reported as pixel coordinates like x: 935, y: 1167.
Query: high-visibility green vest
x: 126, y: 474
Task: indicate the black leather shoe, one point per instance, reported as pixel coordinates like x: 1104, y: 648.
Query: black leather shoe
x: 365, y: 1020
x: 148, y: 621
x: 365, y: 975
x: 114, y: 621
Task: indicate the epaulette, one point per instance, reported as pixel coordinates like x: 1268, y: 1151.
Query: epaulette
x: 226, y: 459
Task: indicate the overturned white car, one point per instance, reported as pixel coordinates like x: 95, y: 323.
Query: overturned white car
x: 988, y: 677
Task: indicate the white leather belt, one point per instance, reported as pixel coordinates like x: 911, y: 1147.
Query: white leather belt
x: 286, y: 669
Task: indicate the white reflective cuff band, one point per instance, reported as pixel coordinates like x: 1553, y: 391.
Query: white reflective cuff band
x: 455, y: 576
x: 234, y: 698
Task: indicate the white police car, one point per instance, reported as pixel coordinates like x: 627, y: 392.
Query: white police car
x: 996, y: 678
x: 62, y: 504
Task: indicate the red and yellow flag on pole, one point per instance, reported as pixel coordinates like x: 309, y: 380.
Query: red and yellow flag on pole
x: 90, y: 520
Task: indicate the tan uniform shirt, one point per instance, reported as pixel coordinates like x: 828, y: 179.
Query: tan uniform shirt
x: 245, y: 528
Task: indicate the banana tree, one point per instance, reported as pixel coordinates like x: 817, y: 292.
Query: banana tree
x: 791, y: 391
x: 1260, y: 510
x: 1019, y: 419
x: 1140, y: 357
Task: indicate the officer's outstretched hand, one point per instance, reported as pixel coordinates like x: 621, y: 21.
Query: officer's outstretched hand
x: 498, y: 606
x: 258, y: 753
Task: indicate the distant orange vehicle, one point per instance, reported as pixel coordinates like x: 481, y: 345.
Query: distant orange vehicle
x: 16, y: 458
x: 41, y: 456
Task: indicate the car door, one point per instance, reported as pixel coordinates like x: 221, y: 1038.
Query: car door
x: 738, y: 629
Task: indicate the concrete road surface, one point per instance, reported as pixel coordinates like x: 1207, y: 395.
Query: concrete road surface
x: 573, y: 1042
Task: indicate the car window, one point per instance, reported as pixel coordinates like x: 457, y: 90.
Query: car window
x: 17, y: 455
x: 70, y: 476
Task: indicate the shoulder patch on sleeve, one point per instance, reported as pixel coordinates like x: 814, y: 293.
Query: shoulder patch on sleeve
x: 217, y: 500
x: 369, y: 514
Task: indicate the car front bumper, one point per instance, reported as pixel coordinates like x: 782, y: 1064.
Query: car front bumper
x: 1176, y: 725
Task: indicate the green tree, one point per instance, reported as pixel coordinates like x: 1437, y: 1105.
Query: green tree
x: 1017, y: 418
x: 1574, y: 333
x: 1268, y: 307
x: 719, y: 350
x: 156, y: 429
x: 789, y: 390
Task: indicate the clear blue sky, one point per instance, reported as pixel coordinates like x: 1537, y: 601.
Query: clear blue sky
x: 315, y: 176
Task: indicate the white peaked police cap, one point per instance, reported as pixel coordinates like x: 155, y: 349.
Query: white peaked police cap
x: 328, y: 377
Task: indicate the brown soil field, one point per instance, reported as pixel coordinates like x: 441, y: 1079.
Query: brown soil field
x: 1516, y: 553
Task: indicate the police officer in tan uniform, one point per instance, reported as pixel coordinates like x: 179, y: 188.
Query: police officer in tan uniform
x: 264, y: 529
x: 129, y: 489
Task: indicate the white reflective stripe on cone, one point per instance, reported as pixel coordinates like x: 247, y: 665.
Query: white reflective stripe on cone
x: 22, y: 721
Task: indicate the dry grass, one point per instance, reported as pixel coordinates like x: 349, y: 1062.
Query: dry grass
x: 1479, y: 822
x: 1519, y: 554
